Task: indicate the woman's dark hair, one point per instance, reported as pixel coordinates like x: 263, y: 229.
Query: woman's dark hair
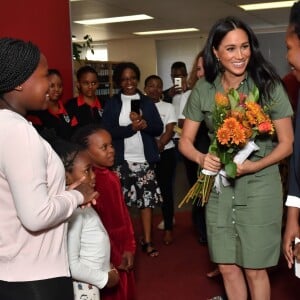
x: 67, y: 151
x: 294, y: 19
x: 81, y: 135
x: 260, y: 70
x: 119, y: 69
x: 153, y: 77
x: 54, y: 72
x: 83, y: 70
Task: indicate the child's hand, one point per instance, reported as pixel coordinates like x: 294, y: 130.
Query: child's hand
x: 113, y: 278
x: 127, y: 261
x: 88, y: 192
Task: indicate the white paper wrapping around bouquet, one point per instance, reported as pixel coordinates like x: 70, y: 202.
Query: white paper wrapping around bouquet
x: 242, y: 155
x: 239, y: 158
x: 297, y: 263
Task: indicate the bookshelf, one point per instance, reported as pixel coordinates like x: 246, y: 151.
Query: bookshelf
x: 105, y: 71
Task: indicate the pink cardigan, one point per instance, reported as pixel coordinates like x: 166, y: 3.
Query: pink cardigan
x: 33, y: 204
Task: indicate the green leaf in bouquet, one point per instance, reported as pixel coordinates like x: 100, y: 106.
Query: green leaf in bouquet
x: 225, y: 157
x: 231, y: 169
x: 234, y: 98
x: 253, y: 95
x: 231, y: 150
x: 213, y: 148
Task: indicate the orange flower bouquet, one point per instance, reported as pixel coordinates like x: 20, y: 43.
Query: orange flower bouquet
x: 238, y: 119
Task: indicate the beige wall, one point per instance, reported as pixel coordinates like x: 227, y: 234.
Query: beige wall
x: 140, y: 51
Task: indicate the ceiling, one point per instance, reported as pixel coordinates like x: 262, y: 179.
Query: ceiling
x: 168, y: 14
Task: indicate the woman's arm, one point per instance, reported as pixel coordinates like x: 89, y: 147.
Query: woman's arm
x: 166, y: 136
x: 186, y: 146
x: 28, y: 162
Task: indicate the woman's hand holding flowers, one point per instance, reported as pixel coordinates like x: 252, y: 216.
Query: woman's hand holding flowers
x: 212, y: 163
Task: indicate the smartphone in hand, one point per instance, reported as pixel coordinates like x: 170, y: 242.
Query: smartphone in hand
x: 135, y: 106
x: 178, y: 82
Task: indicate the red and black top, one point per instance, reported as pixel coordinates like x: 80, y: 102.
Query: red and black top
x: 85, y: 113
x: 61, y: 121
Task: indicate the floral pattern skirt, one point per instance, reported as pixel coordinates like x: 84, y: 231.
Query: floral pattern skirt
x: 139, y: 183
x: 85, y: 291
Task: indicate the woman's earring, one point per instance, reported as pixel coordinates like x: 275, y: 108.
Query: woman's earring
x: 19, y: 88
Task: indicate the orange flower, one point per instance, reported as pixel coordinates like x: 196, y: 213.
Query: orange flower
x: 265, y: 127
x: 221, y: 99
x: 238, y: 137
x: 253, y: 107
x: 250, y: 118
x: 247, y: 129
x: 223, y: 135
x: 239, y: 115
x: 231, y: 123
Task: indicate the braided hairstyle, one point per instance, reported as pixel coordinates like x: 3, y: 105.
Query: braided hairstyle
x: 82, y: 134
x: 67, y: 151
x: 18, y: 60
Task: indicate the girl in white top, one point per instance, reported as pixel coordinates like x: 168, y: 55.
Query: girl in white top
x: 88, y: 241
x: 167, y: 165
x: 34, y: 203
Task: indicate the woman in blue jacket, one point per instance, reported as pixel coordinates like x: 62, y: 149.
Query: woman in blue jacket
x: 134, y: 122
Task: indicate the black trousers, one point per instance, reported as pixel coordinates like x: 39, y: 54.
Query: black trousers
x: 60, y: 288
x: 198, y: 212
x: 165, y: 177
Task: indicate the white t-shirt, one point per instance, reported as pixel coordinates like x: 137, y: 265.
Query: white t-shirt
x: 167, y: 115
x: 88, y: 248
x: 179, y: 101
x: 133, y: 146
x: 183, y: 101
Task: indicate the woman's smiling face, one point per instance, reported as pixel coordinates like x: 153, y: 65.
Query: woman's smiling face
x: 234, y: 52
x: 129, y: 82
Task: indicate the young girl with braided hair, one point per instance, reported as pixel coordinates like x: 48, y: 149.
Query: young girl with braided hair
x: 88, y: 241
x: 111, y: 208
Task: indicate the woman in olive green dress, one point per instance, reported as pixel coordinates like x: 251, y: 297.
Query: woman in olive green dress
x: 244, y: 219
